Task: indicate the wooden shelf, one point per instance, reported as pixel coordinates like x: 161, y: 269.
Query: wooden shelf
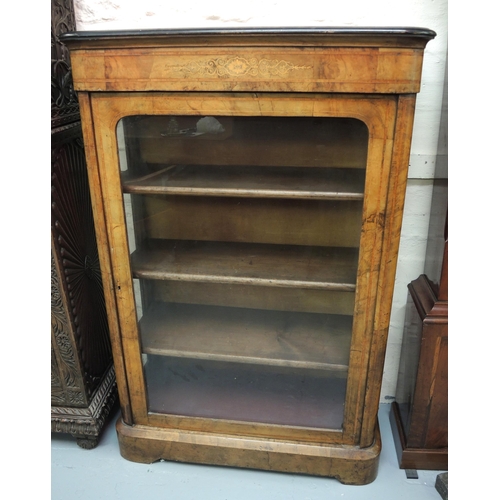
x: 244, y: 392
x: 300, y: 340
x: 321, y: 268
x: 257, y: 182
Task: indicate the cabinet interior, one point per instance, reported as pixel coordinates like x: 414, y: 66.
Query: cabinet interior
x: 244, y: 235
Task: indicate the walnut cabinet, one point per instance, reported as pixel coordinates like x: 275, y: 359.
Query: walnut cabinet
x: 248, y: 188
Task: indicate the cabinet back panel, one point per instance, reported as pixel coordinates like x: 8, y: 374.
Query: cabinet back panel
x: 290, y: 222
x: 264, y: 141
x: 254, y: 297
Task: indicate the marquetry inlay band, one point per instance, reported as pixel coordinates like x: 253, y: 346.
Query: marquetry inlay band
x: 240, y: 66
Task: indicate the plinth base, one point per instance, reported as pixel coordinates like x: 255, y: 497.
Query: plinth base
x: 348, y: 464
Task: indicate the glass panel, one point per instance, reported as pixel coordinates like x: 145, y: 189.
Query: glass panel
x: 244, y: 237
x: 248, y: 392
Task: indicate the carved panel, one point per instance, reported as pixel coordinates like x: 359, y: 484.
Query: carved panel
x: 64, y: 102
x: 88, y: 420
x: 82, y: 376
x: 67, y: 384
x: 58, y: 396
x: 75, y: 249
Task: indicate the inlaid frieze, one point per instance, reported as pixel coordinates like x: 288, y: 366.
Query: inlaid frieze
x: 241, y: 66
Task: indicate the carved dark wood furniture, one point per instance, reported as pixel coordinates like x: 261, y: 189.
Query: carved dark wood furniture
x: 83, y: 385
x: 248, y: 189
x: 419, y: 416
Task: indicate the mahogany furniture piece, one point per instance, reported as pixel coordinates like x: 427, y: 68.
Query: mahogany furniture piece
x: 83, y: 387
x: 248, y: 188
x: 419, y: 416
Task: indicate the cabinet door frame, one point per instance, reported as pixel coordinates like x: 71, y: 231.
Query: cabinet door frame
x: 386, y: 116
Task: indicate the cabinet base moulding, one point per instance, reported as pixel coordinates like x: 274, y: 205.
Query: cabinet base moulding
x: 415, y: 458
x: 349, y: 464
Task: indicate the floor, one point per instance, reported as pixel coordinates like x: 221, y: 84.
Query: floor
x: 101, y: 473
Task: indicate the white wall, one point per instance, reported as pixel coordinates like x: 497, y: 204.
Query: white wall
x: 433, y: 14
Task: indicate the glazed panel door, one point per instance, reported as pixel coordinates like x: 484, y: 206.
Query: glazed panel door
x: 250, y: 228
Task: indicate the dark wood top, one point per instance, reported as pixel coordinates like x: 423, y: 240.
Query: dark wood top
x: 334, y: 36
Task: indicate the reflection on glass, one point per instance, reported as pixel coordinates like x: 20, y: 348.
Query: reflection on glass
x: 244, y: 234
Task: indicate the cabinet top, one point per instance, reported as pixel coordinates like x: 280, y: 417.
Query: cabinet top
x: 349, y: 60
x: 304, y: 36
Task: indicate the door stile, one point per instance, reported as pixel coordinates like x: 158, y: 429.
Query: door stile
x: 372, y: 237
x: 107, y: 153
x: 104, y: 257
x: 393, y: 222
